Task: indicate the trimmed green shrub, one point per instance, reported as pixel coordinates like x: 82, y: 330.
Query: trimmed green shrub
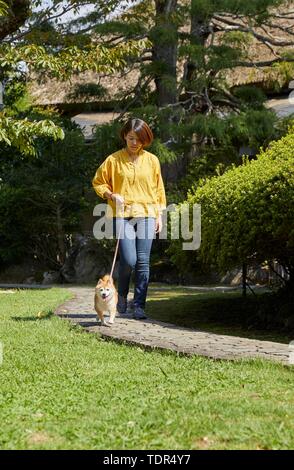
x: 247, y: 213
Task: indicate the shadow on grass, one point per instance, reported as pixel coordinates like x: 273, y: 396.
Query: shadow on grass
x: 221, y: 313
x: 37, y: 317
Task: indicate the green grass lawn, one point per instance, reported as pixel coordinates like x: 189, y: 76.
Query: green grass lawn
x: 61, y: 388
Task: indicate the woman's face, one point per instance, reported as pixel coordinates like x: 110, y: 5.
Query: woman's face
x: 134, y: 144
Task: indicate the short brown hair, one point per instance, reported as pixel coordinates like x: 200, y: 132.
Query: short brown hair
x: 142, y: 130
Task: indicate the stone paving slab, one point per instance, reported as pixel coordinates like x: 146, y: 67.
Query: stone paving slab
x: 155, y: 334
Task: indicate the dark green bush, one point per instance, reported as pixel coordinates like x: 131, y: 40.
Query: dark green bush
x: 248, y: 212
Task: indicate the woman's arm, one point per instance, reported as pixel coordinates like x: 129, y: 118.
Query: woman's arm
x: 161, y: 198
x: 103, y: 185
x: 102, y: 180
x: 160, y: 191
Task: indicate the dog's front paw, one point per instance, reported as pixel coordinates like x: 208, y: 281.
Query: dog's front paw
x: 101, y: 322
x: 104, y: 323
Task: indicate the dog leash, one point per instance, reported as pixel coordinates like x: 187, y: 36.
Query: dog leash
x: 116, y: 248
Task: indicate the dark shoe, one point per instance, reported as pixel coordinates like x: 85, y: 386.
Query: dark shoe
x: 121, y: 306
x: 131, y: 306
x: 139, y: 313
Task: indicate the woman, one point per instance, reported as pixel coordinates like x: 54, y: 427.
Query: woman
x: 130, y: 179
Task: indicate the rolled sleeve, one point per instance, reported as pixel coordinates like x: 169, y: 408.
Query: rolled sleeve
x: 102, y: 179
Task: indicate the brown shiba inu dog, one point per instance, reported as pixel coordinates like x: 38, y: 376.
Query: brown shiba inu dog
x: 105, y: 299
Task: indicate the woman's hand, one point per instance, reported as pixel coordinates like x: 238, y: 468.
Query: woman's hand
x: 117, y: 199
x: 158, y: 225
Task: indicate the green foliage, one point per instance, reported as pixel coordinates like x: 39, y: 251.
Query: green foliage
x: 250, y: 96
x: 162, y: 152
x: 44, y: 195
x: 238, y: 39
x: 98, y: 58
x: 213, y: 162
x: 164, y: 35
x: 60, y: 53
x: 196, y: 52
x: 213, y: 57
x: 3, y: 8
x: 14, y: 227
x: 248, y: 211
x: 107, y: 140
x: 222, y: 57
x: 253, y: 127
x: 20, y: 133
x: 279, y: 75
x: 283, y: 125
x: 16, y: 97
x: 83, y: 91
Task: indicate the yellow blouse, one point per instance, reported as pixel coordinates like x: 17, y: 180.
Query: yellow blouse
x: 139, y: 183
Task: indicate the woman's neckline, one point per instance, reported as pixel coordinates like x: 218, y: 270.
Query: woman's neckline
x: 130, y: 159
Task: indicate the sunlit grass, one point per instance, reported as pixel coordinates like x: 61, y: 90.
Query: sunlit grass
x: 61, y: 388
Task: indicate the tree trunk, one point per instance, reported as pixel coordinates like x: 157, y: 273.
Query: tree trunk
x: 200, y: 30
x: 164, y: 36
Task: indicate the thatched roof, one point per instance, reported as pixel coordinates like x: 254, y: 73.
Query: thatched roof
x: 52, y: 91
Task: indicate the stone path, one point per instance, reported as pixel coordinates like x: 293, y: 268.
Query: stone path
x: 155, y: 334
x: 283, y: 106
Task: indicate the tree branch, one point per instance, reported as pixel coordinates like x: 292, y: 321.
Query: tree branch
x: 260, y: 37
x: 266, y: 63
x: 282, y: 28
x: 45, y: 18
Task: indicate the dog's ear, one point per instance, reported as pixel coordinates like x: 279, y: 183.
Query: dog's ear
x: 99, y: 282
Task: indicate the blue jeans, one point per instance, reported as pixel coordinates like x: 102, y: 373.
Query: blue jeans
x: 135, y: 240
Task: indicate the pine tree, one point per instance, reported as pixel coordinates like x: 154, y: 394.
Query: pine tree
x: 210, y: 39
